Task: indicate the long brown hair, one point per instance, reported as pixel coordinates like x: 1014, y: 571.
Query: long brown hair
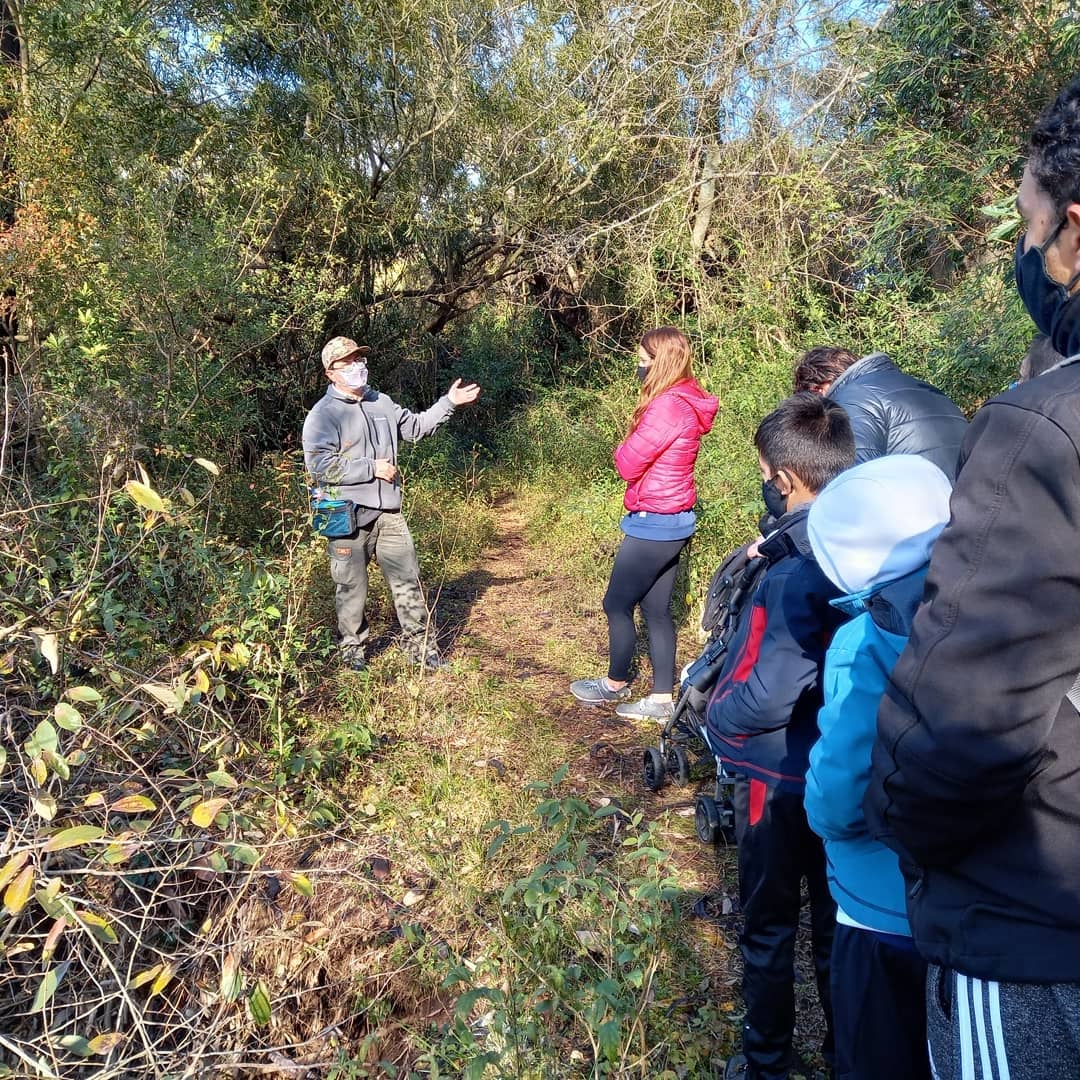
x: 669, y: 356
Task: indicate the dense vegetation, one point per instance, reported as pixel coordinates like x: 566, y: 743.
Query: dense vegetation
x: 193, y: 197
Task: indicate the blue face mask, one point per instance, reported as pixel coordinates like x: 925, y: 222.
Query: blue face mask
x: 1052, y: 309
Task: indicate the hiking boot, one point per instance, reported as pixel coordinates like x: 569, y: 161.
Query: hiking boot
x: 595, y: 692
x: 647, y: 709
x: 432, y: 662
x: 737, y: 1068
x: 352, y: 657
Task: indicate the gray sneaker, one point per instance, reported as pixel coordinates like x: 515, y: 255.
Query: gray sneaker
x: 594, y: 692
x: 352, y: 657
x: 647, y: 709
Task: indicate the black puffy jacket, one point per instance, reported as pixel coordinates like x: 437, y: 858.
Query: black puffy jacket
x: 894, y: 413
x: 976, y: 768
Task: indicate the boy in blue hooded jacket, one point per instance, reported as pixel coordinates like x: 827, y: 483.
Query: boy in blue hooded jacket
x: 871, y: 530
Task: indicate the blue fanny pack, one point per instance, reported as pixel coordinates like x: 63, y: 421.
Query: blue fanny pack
x: 332, y: 518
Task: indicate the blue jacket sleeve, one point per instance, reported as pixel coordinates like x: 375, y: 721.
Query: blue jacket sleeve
x: 868, y: 424
x: 840, y: 759
x: 780, y: 659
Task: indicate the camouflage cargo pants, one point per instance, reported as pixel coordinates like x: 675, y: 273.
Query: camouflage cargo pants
x: 389, y: 541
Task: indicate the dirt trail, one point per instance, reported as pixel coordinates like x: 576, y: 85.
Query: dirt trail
x: 522, y: 618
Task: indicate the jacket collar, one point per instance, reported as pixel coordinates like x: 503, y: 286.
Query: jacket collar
x: 891, y: 606
x: 336, y: 395
x: 788, y: 537
x: 877, y: 361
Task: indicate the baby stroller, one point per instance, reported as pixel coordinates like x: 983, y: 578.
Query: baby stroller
x: 683, y: 745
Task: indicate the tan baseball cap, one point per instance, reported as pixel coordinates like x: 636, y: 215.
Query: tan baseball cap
x: 341, y: 348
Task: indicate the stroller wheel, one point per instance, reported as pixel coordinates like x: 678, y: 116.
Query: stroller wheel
x: 652, y: 769
x: 707, y: 819
x: 676, y: 765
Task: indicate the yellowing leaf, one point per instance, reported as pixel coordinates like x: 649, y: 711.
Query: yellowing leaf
x: 95, y: 798
x: 52, y: 939
x: 99, y: 927
x: 209, y: 466
x: 231, y: 977
x: 132, y: 804
x: 301, y: 884
x: 43, y: 805
x: 144, y: 977
x: 12, y: 867
x: 85, y: 694
x: 204, y: 813
x: 18, y: 892
x: 39, y: 771
x: 67, y: 716
x: 202, y: 681
x: 74, y: 837
x: 145, y: 496
x: 163, y: 980
x: 57, y: 764
x: 50, y: 649
x: 165, y: 695
x: 102, y: 1044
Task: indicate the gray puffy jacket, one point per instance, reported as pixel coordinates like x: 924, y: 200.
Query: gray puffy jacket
x: 894, y: 413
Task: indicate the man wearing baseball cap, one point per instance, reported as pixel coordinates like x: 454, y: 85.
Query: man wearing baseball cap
x: 350, y: 440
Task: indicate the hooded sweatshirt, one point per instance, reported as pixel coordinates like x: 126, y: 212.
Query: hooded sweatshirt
x: 871, y: 531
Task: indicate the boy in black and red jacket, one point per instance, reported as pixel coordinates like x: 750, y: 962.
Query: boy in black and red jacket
x: 762, y: 721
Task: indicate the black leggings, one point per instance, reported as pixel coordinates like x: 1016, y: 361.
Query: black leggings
x: 644, y: 573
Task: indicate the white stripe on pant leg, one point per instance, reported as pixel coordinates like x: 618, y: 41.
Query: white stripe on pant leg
x: 980, y: 1027
x: 967, y: 1050
x: 995, y: 1027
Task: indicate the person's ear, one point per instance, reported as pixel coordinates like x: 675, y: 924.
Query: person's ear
x: 1070, y: 249
x: 782, y: 482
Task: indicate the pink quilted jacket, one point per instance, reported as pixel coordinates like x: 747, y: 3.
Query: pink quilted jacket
x: 657, y: 458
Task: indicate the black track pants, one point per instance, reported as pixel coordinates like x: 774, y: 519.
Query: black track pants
x: 776, y: 851
x: 879, y: 1008
x: 644, y: 573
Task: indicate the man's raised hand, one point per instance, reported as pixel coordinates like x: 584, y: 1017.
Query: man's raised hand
x: 463, y: 395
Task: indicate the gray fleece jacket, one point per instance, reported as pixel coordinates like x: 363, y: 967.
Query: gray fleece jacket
x: 343, y: 436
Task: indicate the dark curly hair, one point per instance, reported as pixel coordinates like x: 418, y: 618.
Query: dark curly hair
x: 1054, y: 158
x: 820, y: 366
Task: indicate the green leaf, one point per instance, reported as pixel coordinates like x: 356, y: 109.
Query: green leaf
x: 47, y: 987
x: 43, y: 738
x: 67, y: 716
x: 209, y: 466
x: 58, y: 764
x: 259, y: 1004
x: 87, y: 695
x: 220, y: 778
x: 242, y: 853
x: 74, y: 837
x: 75, y: 1044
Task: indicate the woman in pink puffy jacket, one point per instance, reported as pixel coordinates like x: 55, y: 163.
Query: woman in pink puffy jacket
x: 656, y: 459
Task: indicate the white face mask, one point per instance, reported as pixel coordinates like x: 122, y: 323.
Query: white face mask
x: 355, y: 376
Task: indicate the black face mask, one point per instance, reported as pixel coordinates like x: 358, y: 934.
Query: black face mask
x: 640, y: 372
x: 775, y: 501
x: 1052, y: 309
